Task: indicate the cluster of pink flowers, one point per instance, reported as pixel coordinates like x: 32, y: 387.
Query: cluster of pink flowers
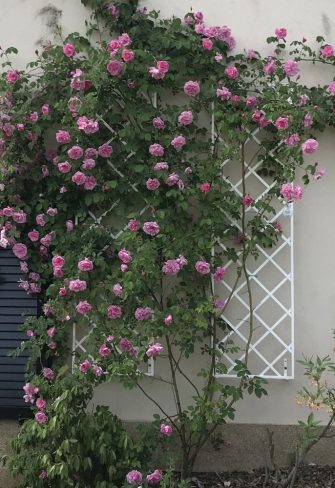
x: 58, y: 263
x: 30, y: 393
x: 89, y: 126
x: 77, y: 285
x: 290, y: 192
x: 159, y: 71
x: 115, y: 67
x: 86, y: 365
x: 172, y: 267
x: 135, y: 477
x: 154, y: 349
x: 310, y: 146
x: 125, y: 258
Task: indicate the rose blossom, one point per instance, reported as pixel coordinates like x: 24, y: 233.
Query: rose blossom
x: 127, y: 55
x: 281, y: 123
x: 115, y: 67
x: 205, y: 187
x: 114, y: 312
x: 270, y: 67
x: 163, y: 66
x: 133, y: 225
x: 40, y: 220
x: 125, y: 256
x: 161, y: 166
x: 83, y: 307
x: 151, y: 228
x: 12, y: 76
x: 292, y: 140
x: 143, y: 313
x: 319, y: 174
x: 69, y: 50
x: 291, y: 68
x: 207, y: 44
x: 202, y: 267
x: 20, y: 250
x: 327, y: 51
x: 178, y: 142
x: 309, y: 146
x: 85, y: 265
x: 166, y: 430
x: 117, y: 289
x: 158, y: 123
x: 191, y: 88
x: 41, y: 418
x: 156, y: 150
x: 155, y: 477
x: 104, y: 351
x: 88, y: 164
x: 48, y: 374
x: 58, y: 272
x: 51, y: 331
x: 77, y: 285
x: 30, y: 333
x: 154, y: 350
x: 308, y: 120
x: 63, y: 136
x: 247, y: 200
x: 134, y: 477
x: 219, y: 273
x: 126, y: 345
x: 90, y: 152
x: 105, y: 150
x: 281, y: 32
x: 79, y: 178
x: 232, y: 72
x: 43, y: 474
x: 64, y: 167
x: 171, y: 267
x: 152, y: 184
x: 75, y: 152
x: 168, y: 320
x: 90, y: 183
x: 85, y: 366
x: 69, y: 225
x: 185, y: 118
x: 290, y: 192
x: 20, y: 217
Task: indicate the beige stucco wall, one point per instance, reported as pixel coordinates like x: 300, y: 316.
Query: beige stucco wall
x: 251, y: 22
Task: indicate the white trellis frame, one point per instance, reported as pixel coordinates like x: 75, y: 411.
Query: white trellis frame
x: 272, y: 350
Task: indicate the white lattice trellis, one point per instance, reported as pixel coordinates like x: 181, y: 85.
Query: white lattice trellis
x: 271, y: 351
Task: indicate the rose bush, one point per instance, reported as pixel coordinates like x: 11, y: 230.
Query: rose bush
x: 116, y: 129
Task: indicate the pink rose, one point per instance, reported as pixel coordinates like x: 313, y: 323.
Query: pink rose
x: 205, y: 187
x: 45, y: 109
x: 58, y: 261
x: 20, y: 250
x: 158, y: 123
x: 178, y: 142
x: 58, y: 272
x: 171, y: 267
x: 12, y: 76
x: 154, y: 350
x: 63, y: 136
x: 155, y: 477
x: 115, y: 67
x: 291, y: 68
x: 77, y: 285
x: 232, y: 72
x: 75, y: 152
x: 117, y: 289
x: 7, y: 211
x: 281, y: 123
x: 219, y: 273
x: 292, y: 140
x: 156, y: 150
x: 168, y: 320
x: 105, y: 151
x: 134, y: 477
x: 90, y: 152
x: 270, y: 67
x: 79, y: 178
x: 84, y: 307
x: 327, y: 51
x: 124, y: 39
x: 40, y: 403
x: 161, y: 166
x: 152, y: 184
x: 247, y: 201
x: 319, y: 174
x: 185, y: 118
x: 64, y: 167
x: 310, y: 146
x: 308, y: 120
x: 52, y: 211
x: 114, y: 312
x: 88, y: 164
x: 69, y: 50
x: 104, y: 351
x: 207, y: 44
x: 41, y: 418
x: 20, y: 217
x: 281, y: 32
x: 125, y: 256
x: 51, y: 331
x: 127, y: 55
x: 202, y: 267
x: 48, y: 373
x: 151, y: 228
x: 290, y: 192
x: 85, y: 366
x: 191, y: 88
x: 85, y: 265
x: 143, y: 313
x: 166, y: 430
x: 133, y: 225
x: 163, y: 66
x: 90, y: 183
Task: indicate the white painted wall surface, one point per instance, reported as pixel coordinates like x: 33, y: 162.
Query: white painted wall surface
x: 251, y: 22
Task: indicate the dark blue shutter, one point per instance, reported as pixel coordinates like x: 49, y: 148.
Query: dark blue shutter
x: 15, y: 303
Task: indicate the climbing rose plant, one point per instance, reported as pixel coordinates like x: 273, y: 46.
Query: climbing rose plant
x: 133, y: 129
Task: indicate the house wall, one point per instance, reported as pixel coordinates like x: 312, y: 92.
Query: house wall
x: 251, y: 22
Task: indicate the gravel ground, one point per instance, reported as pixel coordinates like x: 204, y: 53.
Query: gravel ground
x: 308, y: 477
